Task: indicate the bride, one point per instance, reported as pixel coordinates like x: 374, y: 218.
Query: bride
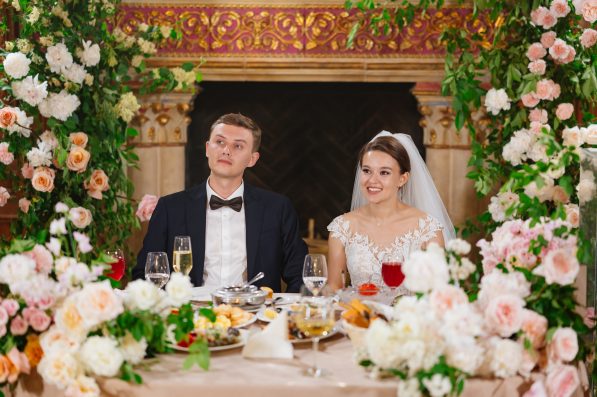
x: 396, y: 210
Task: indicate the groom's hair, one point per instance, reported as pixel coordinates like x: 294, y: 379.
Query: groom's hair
x: 391, y: 146
x: 239, y: 120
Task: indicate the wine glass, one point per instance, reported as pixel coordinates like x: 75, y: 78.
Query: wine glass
x: 314, y: 317
x: 157, y: 268
x: 182, y: 255
x: 315, y: 272
x: 118, y: 266
x: 391, y: 272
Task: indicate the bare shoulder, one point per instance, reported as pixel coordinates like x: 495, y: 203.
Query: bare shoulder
x: 413, y: 215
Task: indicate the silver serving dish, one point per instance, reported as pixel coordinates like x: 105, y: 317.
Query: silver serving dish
x: 243, y: 296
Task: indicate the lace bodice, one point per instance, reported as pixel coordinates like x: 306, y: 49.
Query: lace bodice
x: 364, y: 258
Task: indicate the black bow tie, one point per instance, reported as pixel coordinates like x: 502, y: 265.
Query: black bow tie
x: 215, y: 202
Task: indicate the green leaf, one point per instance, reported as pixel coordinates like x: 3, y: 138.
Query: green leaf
x: 352, y: 34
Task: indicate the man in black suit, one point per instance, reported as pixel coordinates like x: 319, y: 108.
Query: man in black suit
x: 236, y: 229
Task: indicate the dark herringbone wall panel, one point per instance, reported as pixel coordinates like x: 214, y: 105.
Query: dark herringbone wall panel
x: 312, y: 133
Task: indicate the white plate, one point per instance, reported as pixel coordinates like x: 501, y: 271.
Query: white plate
x: 284, y: 299
x: 262, y: 317
x: 243, y: 339
x: 248, y: 322
x: 334, y: 332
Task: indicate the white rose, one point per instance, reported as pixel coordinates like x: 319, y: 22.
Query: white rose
x: 179, y: 289
x: 505, y: 357
x: 141, y: 295
x: 90, y: 55
x: 438, y: 385
x: 464, y: 353
x: 383, y: 345
x: 16, y: 65
x: 497, y: 283
x: 497, y: 100
x: 589, y: 134
x: 15, y: 268
x: 58, y: 369
x: 58, y: 57
x: 133, y: 350
x: 586, y: 187
x: 409, y: 388
x: 459, y: 246
x: 101, y: 356
x: 99, y: 303
x: 40, y: 156
x: 55, y: 340
x: 572, y: 137
x: 83, y: 386
x: 58, y: 226
x: 60, y: 106
x: 425, y: 270
x: 504, y: 314
x: 30, y: 90
x: 75, y: 73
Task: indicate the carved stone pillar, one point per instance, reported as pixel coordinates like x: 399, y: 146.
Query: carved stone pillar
x: 162, y: 122
x: 448, y: 152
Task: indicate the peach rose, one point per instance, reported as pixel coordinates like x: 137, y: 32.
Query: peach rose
x: 530, y: 100
x: 559, y: 8
x: 589, y: 10
x: 4, y: 196
x: 43, y: 179
x: 80, y: 217
x: 588, y: 38
x: 563, y: 346
x: 146, y: 207
x: 78, y: 139
x: 572, y: 214
x: 564, y: 111
x: 69, y: 320
x: 537, y: 67
x: 6, y: 157
x: 13, y: 364
x: 77, y: 159
x: 562, y: 381
x: 534, y: 327
x: 538, y: 115
x: 559, y: 266
x: 19, y: 360
x: 503, y: 315
x: 24, y: 204
x: 42, y: 257
x: 27, y: 171
x: 97, y: 183
x: 536, y: 51
x: 99, y: 303
x: 544, y: 89
x: 447, y: 297
x: 548, y: 38
x: 560, y: 195
x: 8, y: 116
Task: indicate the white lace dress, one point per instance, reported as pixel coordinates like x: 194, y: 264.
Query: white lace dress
x: 364, y: 258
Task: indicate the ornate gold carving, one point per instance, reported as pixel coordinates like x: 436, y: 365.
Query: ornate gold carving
x: 151, y: 133
x: 163, y: 119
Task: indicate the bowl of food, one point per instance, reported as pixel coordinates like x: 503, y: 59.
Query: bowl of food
x: 247, y: 297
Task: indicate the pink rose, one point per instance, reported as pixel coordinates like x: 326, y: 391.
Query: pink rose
x: 2, y: 330
x: 538, y: 15
x: 447, y: 297
x: 11, y: 306
x: 537, y: 390
x: 538, y: 115
x: 534, y: 327
x: 530, y: 100
x: 548, y: 20
x: 564, y: 111
x: 544, y: 88
x: 572, y: 214
x: 146, y: 207
x: 18, y: 326
x: 570, y: 57
x: 42, y: 257
x: 555, y: 90
x: 559, y: 8
x: 43, y: 179
x: 3, y: 316
x: 39, y: 320
x: 537, y: 67
x: 548, y: 38
x: 503, y: 315
x: 4, y: 196
x: 24, y: 204
x: 589, y: 10
x: 563, y: 346
x: 588, y: 38
x: 8, y: 116
x: 562, y: 381
x: 45, y: 302
x: 6, y: 157
x: 536, y: 51
x: 80, y: 217
x: 559, y: 266
x: 27, y: 171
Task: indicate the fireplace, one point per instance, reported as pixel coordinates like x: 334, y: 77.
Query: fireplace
x: 312, y: 133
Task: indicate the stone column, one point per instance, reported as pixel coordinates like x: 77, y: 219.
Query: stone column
x: 448, y: 152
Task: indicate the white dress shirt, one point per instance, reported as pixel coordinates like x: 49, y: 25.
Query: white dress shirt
x: 225, y: 243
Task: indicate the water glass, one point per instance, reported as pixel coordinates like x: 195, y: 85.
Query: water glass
x: 157, y: 268
x: 315, y: 272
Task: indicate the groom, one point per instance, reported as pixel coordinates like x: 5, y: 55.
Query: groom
x: 236, y: 229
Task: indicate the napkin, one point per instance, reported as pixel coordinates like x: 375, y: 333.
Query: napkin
x: 272, y: 342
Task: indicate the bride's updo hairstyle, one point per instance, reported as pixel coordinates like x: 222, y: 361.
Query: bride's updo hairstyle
x: 388, y: 145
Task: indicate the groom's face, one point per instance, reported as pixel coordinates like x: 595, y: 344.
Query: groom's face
x: 229, y: 151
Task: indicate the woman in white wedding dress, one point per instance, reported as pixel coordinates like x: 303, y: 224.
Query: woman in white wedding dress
x: 396, y: 210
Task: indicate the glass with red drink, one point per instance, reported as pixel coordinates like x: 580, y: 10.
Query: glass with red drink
x: 118, y: 266
x: 392, y: 275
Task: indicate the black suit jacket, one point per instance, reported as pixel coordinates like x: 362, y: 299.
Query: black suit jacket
x: 274, y: 245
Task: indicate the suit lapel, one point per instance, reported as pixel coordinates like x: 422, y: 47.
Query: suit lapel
x: 253, y: 221
x: 195, y: 219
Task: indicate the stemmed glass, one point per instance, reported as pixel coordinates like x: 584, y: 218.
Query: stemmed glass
x: 391, y: 273
x: 315, y: 272
x: 118, y: 266
x: 157, y: 268
x: 182, y: 255
x: 315, y: 318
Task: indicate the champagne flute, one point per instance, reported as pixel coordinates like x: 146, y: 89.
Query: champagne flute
x: 182, y: 255
x: 157, y: 268
x: 315, y: 272
x: 314, y: 317
x: 118, y: 266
